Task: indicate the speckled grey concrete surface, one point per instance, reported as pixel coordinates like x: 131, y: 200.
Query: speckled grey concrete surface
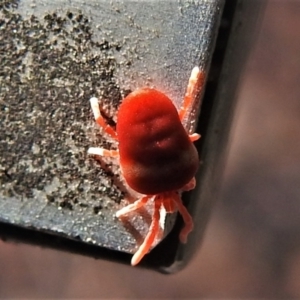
x: 53, y: 57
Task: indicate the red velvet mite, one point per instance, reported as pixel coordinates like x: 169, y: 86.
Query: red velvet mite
x: 157, y: 156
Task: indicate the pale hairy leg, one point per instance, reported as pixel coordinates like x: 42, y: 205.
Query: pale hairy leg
x: 133, y: 206
x: 194, y: 137
x: 102, y: 152
x: 99, y: 118
x: 150, y: 237
x: 188, y: 221
x: 194, y: 87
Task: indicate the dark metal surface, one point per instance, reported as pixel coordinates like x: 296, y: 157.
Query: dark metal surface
x: 54, y: 56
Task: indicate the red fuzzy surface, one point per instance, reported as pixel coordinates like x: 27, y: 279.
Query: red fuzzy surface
x: 156, y: 154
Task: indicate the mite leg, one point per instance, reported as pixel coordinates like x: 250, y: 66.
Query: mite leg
x: 150, y: 237
x: 188, y: 221
x: 133, y: 206
x: 168, y: 204
x: 190, y: 185
x: 194, y: 87
x: 103, y: 152
x: 99, y: 118
x: 194, y: 137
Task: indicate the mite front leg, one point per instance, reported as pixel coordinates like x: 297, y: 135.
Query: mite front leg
x: 103, y: 152
x: 194, y: 87
x: 100, y: 120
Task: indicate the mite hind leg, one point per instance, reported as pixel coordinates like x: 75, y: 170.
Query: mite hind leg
x: 150, y: 237
x: 187, y: 219
x: 133, y: 206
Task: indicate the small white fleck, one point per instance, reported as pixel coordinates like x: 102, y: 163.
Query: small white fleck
x: 35, y: 148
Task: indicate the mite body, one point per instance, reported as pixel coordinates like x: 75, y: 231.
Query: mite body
x: 156, y: 153
x: 157, y: 156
